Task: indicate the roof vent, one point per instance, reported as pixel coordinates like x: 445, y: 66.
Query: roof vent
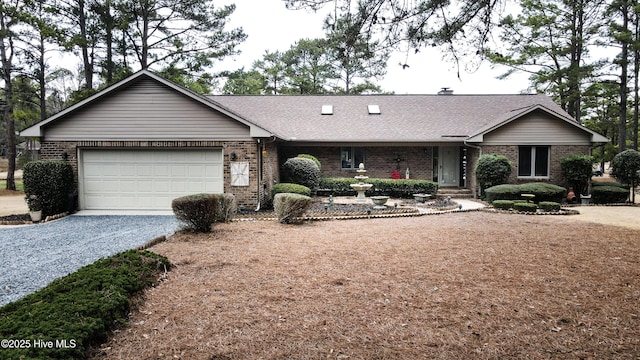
x: 327, y: 109
x: 373, y: 109
x: 445, y: 91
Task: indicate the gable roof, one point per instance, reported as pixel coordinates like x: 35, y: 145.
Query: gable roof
x: 402, y: 118
x: 36, y: 130
x: 515, y: 114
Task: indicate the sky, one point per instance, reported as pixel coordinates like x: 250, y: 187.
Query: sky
x: 270, y: 26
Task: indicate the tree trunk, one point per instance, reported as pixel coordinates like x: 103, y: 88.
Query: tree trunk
x: 624, y: 64
x: 6, y: 56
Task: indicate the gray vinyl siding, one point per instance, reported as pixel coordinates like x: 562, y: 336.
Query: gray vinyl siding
x: 146, y: 111
x: 536, y: 129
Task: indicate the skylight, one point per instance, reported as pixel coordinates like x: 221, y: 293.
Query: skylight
x: 327, y: 109
x: 373, y: 109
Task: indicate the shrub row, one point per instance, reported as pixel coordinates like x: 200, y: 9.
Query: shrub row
x: 291, y: 207
x: 609, y: 194
x: 387, y: 187
x: 80, y: 308
x: 547, y: 206
x: 199, y: 212
x: 542, y: 192
x: 47, y: 186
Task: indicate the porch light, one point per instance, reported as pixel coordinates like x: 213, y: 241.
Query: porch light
x: 64, y: 155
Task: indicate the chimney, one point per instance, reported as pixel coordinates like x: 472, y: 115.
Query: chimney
x: 445, y: 91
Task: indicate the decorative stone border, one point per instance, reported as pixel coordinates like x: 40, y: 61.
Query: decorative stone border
x: 562, y: 211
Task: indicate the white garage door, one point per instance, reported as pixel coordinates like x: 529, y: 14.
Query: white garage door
x: 147, y: 179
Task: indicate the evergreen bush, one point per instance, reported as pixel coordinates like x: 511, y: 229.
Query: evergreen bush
x: 625, y: 167
x: 196, y: 212
x: 383, y: 187
x: 492, y: 170
x: 226, y: 207
x: 549, y: 206
x: 576, y: 171
x: 542, y: 192
x: 81, y: 308
x: 51, y: 182
x: 290, y: 188
x: 609, y: 194
x: 313, y: 158
x: 301, y: 171
x: 290, y: 208
x: 525, y: 207
x: 502, y: 204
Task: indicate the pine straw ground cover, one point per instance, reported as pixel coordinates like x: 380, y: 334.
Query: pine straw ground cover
x: 472, y: 285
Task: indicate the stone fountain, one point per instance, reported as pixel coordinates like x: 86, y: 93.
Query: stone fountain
x: 361, y: 186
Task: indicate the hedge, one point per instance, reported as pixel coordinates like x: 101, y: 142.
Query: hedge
x: 196, y: 212
x: 549, y: 206
x: 386, y: 187
x: 290, y: 188
x: 502, y: 204
x: 81, y: 308
x: 301, y: 170
x: 51, y: 182
x: 609, y: 194
x: 542, y: 192
x: 525, y: 207
x: 290, y: 208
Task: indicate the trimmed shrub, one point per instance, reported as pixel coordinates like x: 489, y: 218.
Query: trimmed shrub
x: 525, y: 207
x: 311, y: 157
x: 82, y: 307
x: 385, y: 187
x: 226, y: 207
x: 196, y: 212
x: 502, y: 204
x: 609, y: 195
x: 542, y: 192
x: 291, y: 207
x: 290, y: 188
x: 492, y: 170
x: 576, y: 171
x: 301, y: 171
x: 609, y: 183
x: 50, y: 182
x: 549, y: 206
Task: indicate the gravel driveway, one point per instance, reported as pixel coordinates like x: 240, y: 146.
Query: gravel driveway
x: 33, y: 256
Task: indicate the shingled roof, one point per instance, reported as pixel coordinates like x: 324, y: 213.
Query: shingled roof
x: 406, y: 118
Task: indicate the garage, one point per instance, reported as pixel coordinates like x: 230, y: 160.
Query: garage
x: 137, y: 179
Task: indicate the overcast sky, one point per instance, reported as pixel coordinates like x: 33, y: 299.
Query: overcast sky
x: 270, y: 26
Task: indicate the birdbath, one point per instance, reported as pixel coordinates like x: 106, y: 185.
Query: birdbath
x: 528, y: 197
x: 361, y: 186
x: 421, y: 198
x: 379, y: 202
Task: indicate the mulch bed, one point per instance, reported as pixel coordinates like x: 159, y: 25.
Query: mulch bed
x: 474, y: 285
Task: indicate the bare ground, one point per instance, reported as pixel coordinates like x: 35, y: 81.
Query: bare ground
x: 466, y: 285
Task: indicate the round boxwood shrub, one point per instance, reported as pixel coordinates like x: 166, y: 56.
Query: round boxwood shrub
x: 50, y: 182
x: 502, y: 204
x: 311, y: 157
x: 492, y: 170
x: 196, y: 212
x: 549, y: 206
x: 609, y: 194
x: 525, y: 207
x: 301, y: 171
x: 291, y: 207
x: 290, y: 188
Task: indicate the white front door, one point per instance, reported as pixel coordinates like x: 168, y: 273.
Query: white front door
x: 449, y: 167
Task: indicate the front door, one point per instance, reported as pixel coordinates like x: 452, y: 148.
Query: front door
x: 449, y: 166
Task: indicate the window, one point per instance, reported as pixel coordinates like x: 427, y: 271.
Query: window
x: 351, y: 157
x: 533, y: 161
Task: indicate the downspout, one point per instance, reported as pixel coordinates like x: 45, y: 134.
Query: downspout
x: 478, y: 194
x: 259, y: 177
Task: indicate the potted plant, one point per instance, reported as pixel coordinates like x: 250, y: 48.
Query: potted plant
x: 35, y: 208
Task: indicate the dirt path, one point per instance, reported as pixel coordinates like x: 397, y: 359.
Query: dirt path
x: 13, y: 204
x: 625, y: 216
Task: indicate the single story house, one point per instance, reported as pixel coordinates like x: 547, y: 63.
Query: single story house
x: 145, y: 140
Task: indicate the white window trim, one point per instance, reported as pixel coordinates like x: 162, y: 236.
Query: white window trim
x: 533, y: 162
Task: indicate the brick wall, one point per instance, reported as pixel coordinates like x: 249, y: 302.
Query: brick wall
x: 558, y: 152
x: 379, y: 161
x: 244, y: 150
